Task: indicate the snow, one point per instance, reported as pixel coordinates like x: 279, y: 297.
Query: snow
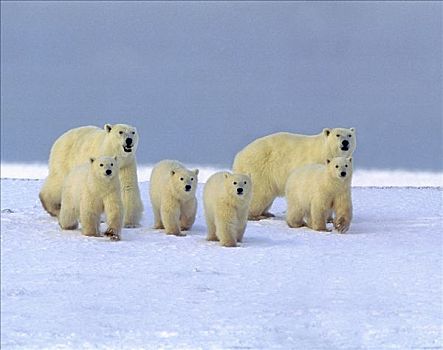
x: 377, y: 287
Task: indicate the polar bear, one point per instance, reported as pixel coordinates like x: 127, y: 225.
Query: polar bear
x: 226, y: 200
x: 316, y: 191
x: 270, y: 159
x: 77, y: 146
x: 172, y: 192
x: 87, y: 192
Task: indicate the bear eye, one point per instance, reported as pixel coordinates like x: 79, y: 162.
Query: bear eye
x: 133, y: 133
x: 120, y: 132
x: 350, y: 135
x: 192, y: 179
x: 101, y: 164
x: 112, y: 164
x: 235, y: 183
x: 181, y: 179
x: 336, y: 166
x: 346, y: 165
x: 337, y: 135
x: 245, y: 182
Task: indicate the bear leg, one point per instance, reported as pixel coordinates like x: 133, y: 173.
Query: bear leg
x: 171, y: 220
x: 68, y: 218
x: 158, y: 224
x: 317, y: 217
x: 90, y: 223
x: 343, y: 213
x: 210, y: 224
x: 113, y: 207
x: 330, y: 217
x: 133, y: 206
x: 225, y: 233
x: 187, y: 217
x: 240, y: 232
x: 51, y: 195
x: 260, y: 205
x: 317, y: 222
x: 294, y: 216
x: 186, y: 223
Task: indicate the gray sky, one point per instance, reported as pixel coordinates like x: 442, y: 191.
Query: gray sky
x: 201, y: 80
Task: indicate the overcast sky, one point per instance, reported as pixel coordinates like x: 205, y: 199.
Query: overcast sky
x: 200, y: 80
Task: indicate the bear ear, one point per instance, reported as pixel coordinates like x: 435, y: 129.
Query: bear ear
x: 196, y: 172
x: 108, y: 127
x: 352, y: 129
x: 92, y: 160
x: 350, y: 159
x: 115, y: 157
x: 328, y: 161
x: 326, y: 131
x: 172, y: 172
x: 226, y: 175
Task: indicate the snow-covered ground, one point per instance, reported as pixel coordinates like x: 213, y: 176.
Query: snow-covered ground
x: 377, y: 287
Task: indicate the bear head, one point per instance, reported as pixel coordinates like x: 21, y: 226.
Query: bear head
x: 121, y: 139
x: 238, y: 185
x: 104, y: 167
x: 184, y: 182
x: 340, y: 142
x: 340, y: 168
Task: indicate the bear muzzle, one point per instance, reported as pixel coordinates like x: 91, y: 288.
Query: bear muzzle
x: 128, y: 145
x: 127, y: 149
x: 345, y: 145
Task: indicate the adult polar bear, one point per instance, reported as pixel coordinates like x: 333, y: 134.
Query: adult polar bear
x: 270, y: 159
x: 77, y: 146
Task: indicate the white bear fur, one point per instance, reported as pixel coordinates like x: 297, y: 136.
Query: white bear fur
x: 87, y: 192
x: 270, y: 159
x: 314, y: 192
x: 77, y: 146
x: 226, y: 211
x: 172, y: 192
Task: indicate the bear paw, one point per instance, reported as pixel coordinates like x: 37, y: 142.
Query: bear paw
x: 176, y: 233
x: 158, y: 227
x: 341, y: 224
x: 91, y: 234
x: 229, y: 243
x: 113, y: 236
x: 211, y: 237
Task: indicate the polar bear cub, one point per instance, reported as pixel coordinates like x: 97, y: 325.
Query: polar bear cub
x: 226, y: 200
x: 316, y: 191
x: 76, y: 146
x: 172, y: 192
x: 87, y: 192
x: 270, y: 159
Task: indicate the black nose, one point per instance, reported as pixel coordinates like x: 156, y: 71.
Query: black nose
x: 239, y: 190
x: 128, y: 141
x: 343, y: 174
x: 345, y: 143
x: 187, y: 188
x: 108, y: 172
